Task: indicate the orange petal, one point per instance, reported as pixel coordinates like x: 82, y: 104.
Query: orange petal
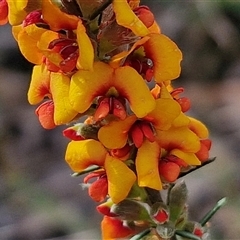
x: 3, y: 12
x: 113, y: 228
x: 127, y: 18
x: 181, y: 138
x: 86, y: 51
x: 198, y: 127
x: 154, y: 28
x: 28, y: 38
x: 40, y: 84
x: 132, y: 86
x: 117, y: 129
x: 120, y: 178
x: 45, y: 114
x: 189, y: 158
x: 98, y: 190
x: 63, y: 112
x: 57, y: 19
x: 147, y: 165
x: 86, y: 85
x: 164, y: 114
x: 165, y: 55
x: 82, y: 154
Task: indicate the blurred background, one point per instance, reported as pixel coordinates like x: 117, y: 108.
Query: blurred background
x: 38, y: 197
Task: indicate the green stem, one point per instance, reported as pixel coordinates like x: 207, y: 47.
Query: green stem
x: 209, y: 215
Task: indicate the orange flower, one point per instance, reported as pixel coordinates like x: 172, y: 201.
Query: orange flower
x: 113, y: 228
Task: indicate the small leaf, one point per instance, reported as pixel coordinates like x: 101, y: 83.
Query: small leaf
x: 131, y: 210
x: 177, y: 200
x: 88, y: 170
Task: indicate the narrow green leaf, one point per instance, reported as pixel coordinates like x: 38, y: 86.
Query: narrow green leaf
x: 209, y: 215
x: 88, y: 170
x: 187, y: 235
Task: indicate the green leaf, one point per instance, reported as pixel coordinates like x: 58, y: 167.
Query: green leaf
x: 177, y: 200
x: 131, y: 210
x: 187, y: 235
x: 88, y: 170
x: 209, y: 215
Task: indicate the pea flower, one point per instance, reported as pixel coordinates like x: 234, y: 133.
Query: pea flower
x: 107, y: 63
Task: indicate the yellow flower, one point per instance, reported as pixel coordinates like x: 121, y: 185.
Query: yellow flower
x: 55, y: 86
x: 158, y: 48
x: 141, y: 133
x: 82, y: 154
x: 85, y: 86
x: 58, y: 51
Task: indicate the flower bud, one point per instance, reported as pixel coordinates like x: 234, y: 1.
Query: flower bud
x: 159, y: 213
x: 145, y: 15
x: 165, y: 231
x: 169, y: 170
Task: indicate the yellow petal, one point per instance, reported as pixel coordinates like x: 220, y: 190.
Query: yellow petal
x: 127, y: 18
x: 56, y: 18
x: 165, y: 55
x: 182, y: 138
x: 82, y: 154
x: 86, y: 85
x: 86, y: 51
x: 189, y: 158
x: 63, y: 111
x: 39, y: 85
x: 181, y: 121
x: 120, y: 178
x: 198, y: 127
x: 27, y: 42
x: 132, y: 86
x: 147, y: 165
x: 16, y: 12
x: 165, y: 112
x: 117, y: 130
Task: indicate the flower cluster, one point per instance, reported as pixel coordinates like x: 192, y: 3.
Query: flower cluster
x: 104, y: 68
